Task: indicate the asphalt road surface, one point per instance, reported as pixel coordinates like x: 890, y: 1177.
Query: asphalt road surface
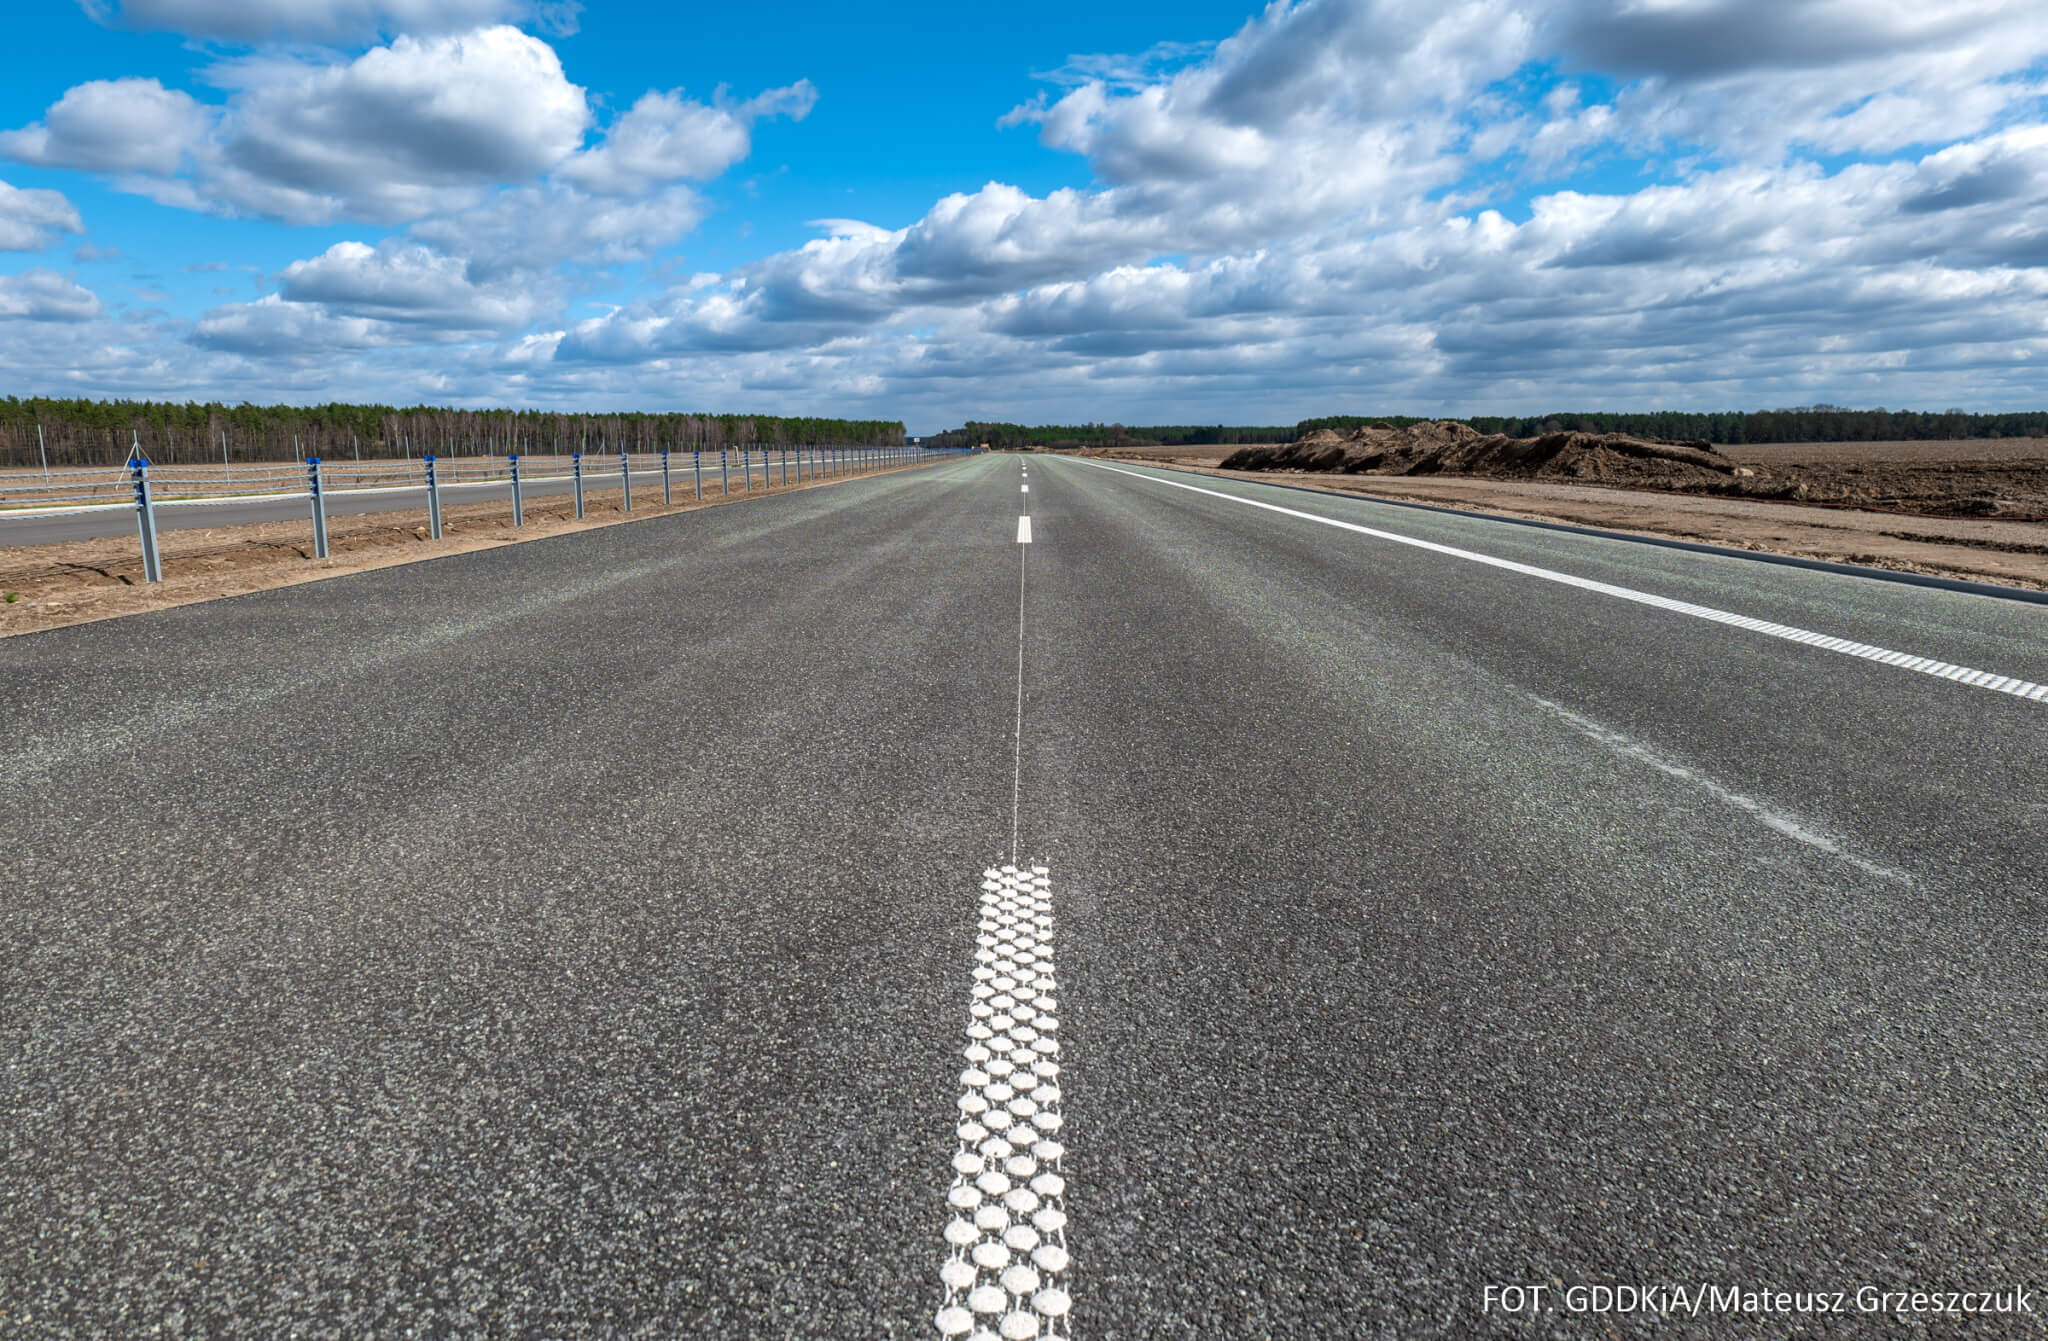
x: 47, y: 527
x: 576, y: 938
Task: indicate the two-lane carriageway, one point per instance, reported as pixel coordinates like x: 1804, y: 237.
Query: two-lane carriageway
x: 1234, y: 912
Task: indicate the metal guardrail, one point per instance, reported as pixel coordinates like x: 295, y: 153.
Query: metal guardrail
x: 152, y: 489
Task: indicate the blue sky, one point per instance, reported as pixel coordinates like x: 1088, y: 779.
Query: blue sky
x: 1190, y: 213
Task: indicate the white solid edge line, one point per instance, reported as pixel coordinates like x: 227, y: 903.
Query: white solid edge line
x: 1925, y: 665
x: 1006, y: 1240
x: 593, y: 479
x: 66, y: 510
x: 1023, y: 530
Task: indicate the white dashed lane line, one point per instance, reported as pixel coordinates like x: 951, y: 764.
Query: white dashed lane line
x: 1023, y: 530
x: 1767, y: 815
x: 1006, y: 1241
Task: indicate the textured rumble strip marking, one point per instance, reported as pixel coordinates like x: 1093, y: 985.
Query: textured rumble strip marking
x: 1007, y: 1242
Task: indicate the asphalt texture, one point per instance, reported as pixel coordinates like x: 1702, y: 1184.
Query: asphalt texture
x: 173, y: 515
x: 573, y: 938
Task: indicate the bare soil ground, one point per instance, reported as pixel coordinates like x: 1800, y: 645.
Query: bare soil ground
x: 2016, y: 489
x: 2000, y: 550
x: 47, y: 586
x: 1892, y: 453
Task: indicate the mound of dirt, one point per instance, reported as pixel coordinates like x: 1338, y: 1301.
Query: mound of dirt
x: 2005, y: 488
x: 1447, y: 447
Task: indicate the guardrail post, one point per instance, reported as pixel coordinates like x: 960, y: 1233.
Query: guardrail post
x: 724, y: 476
x: 319, y: 507
x: 626, y: 478
x: 145, y: 520
x: 576, y: 464
x: 518, y: 495
x: 667, y: 499
x: 433, y: 496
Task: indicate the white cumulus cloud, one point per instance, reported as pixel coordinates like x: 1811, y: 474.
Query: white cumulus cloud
x: 45, y: 295
x: 417, y: 127
x: 114, y: 125
x: 667, y: 138
x: 30, y: 220
x: 405, y: 282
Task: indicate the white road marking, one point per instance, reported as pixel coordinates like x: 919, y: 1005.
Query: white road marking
x: 1007, y: 1241
x: 1765, y: 814
x: 2003, y: 684
x: 1017, y: 739
x: 1007, y: 1236
x: 1025, y: 489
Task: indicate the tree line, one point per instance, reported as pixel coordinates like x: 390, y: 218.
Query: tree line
x: 104, y: 432
x: 1056, y: 437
